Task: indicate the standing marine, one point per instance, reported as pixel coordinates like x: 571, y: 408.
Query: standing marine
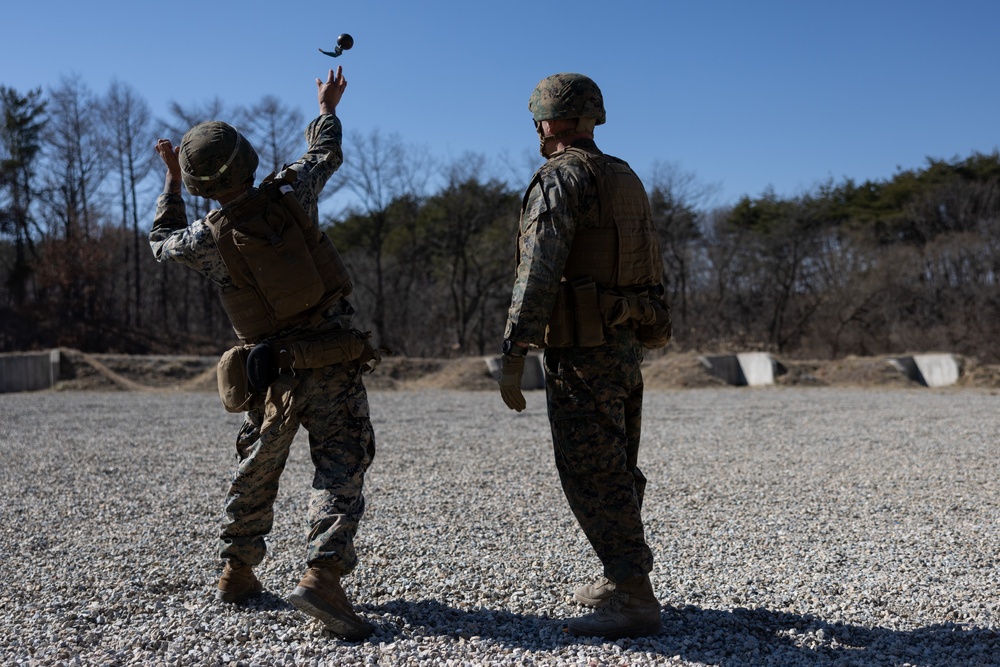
x: 588, y: 290
x: 284, y: 288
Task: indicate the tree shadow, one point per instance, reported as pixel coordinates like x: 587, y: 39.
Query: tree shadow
x: 731, y: 638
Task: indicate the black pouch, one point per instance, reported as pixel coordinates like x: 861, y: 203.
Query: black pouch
x: 262, y: 367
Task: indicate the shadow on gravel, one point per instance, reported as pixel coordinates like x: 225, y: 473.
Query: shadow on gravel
x: 731, y: 638
x: 266, y: 601
x: 745, y: 637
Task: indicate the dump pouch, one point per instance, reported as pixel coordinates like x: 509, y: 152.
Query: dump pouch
x: 656, y: 334
x: 231, y: 374
x: 559, y: 332
x: 587, y: 320
x: 618, y: 309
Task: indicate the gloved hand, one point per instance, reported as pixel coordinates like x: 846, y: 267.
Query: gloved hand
x: 511, y: 371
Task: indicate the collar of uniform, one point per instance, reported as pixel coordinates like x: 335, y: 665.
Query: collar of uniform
x: 585, y: 144
x: 242, y: 198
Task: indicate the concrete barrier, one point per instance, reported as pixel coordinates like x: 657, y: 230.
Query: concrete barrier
x: 745, y: 369
x: 28, y: 371
x: 534, y: 374
x: 930, y: 370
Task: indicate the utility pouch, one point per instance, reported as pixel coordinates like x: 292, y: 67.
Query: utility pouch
x: 616, y: 308
x: 336, y: 348
x: 559, y: 332
x: 587, y: 319
x: 231, y: 374
x: 659, y: 332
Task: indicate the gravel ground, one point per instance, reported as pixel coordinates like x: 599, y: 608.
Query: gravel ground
x: 790, y: 527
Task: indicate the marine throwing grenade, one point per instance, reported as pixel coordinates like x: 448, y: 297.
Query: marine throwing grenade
x: 344, y: 43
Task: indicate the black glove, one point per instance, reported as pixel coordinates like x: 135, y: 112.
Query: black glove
x: 510, y: 381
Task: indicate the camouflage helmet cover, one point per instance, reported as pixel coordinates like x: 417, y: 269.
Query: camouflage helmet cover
x: 215, y: 159
x: 567, y: 95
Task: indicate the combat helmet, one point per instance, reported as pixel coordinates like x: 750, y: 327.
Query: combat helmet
x: 567, y: 95
x: 216, y: 159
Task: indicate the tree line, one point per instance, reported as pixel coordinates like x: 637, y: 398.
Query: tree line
x: 904, y: 263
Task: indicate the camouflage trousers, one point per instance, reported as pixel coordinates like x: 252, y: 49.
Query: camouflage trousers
x: 332, y: 405
x: 594, y: 399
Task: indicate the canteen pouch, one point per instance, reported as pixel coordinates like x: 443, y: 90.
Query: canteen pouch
x: 231, y: 374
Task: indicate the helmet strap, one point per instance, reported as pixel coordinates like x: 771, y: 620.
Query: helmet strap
x: 583, y: 125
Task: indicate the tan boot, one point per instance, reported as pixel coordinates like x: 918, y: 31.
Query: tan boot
x: 320, y: 595
x: 237, y: 583
x: 596, y: 593
x: 632, y: 611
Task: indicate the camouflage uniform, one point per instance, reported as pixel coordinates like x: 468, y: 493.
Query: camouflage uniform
x: 594, y: 394
x: 331, y: 403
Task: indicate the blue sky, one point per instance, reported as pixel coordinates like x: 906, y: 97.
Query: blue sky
x: 745, y: 94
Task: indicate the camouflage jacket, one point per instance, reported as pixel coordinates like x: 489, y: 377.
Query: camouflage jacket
x: 172, y: 239
x: 562, y: 198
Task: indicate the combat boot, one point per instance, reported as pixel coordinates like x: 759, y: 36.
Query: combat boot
x: 595, y: 593
x: 320, y: 595
x: 237, y: 583
x: 632, y: 611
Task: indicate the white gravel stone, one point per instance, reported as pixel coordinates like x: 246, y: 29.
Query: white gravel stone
x: 790, y: 527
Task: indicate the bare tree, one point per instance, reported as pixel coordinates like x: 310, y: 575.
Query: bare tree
x: 472, y: 226
x: 75, y: 158
x: 676, y: 199
x: 275, y: 130
x: 380, y: 172
x: 128, y: 125
x: 75, y: 171
x: 20, y: 145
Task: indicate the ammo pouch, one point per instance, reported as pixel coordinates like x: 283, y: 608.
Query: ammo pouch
x: 582, y: 311
x: 231, y: 373
x: 647, y: 311
x: 338, y: 347
x: 576, y: 318
x: 278, y: 358
x: 559, y: 332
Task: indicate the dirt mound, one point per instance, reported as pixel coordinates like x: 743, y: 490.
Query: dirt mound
x: 678, y: 371
x: 124, y: 372
x: 847, y: 372
x: 975, y: 374
x: 682, y: 370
